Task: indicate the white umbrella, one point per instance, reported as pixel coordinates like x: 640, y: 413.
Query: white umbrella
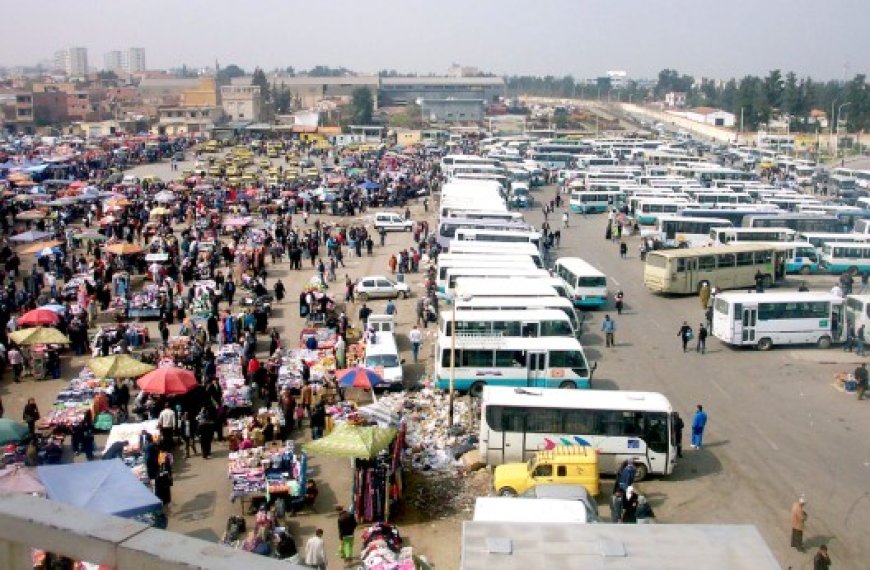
x: 164, y: 196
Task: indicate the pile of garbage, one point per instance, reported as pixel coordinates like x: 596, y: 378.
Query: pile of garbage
x: 432, y: 445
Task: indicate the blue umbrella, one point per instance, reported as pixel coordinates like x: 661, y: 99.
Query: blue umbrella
x: 369, y: 185
x: 54, y: 307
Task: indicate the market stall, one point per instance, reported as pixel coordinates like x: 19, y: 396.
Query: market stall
x: 265, y: 473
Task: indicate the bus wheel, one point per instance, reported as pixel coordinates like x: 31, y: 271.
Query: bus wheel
x: 476, y: 389
x: 568, y: 385
x: 640, y: 472
x: 765, y: 344
x: 824, y: 342
x: 805, y: 270
x: 506, y: 492
x: 767, y: 281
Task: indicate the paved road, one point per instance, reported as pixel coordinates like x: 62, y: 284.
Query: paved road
x: 777, y: 428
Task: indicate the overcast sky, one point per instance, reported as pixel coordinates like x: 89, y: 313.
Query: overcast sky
x: 711, y: 38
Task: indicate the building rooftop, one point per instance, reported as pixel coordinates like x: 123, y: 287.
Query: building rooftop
x: 519, y: 546
x: 475, y: 81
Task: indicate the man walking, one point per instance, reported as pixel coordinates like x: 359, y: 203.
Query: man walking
x: 861, y: 378
x: 798, y: 522
x: 315, y: 551
x: 702, y: 339
x: 608, y: 327
x: 415, y: 336
x: 685, y: 334
x: 699, y: 422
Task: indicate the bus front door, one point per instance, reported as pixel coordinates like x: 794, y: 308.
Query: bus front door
x: 747, y: 321
x: 536, y: 363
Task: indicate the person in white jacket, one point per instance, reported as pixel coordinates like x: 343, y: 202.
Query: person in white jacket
x: 315, y: 551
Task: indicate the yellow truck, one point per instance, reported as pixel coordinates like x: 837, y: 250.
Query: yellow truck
x: 564, y: 464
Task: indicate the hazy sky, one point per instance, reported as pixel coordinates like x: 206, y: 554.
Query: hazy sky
x: 712, y: 38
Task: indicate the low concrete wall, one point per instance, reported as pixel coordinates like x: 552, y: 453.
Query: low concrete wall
x: 28, y: 522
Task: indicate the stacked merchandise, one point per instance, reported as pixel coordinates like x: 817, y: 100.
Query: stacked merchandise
x: 382, y: 549
x: 81, y: 394
x: 326, y: 338
x: 266, y: 471
x: 146, y: 303
x: 229, y: 372
x: 71, y: 288
x: 202, y: 298
x: 178, y: 348
x: 320, y: 362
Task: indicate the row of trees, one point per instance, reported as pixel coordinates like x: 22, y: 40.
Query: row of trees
x: 776, y: 96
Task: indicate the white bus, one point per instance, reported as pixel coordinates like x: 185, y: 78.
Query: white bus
x: 469, y: 288
x: 711, y: 198
x: 587, y: 286
x: 595, y: 201
x: 764, y: 320
x: 840, y: 257
x: 649, y: 210
x: 727, y: 235
x: 448, y: 284
x: 503, y: 215
x: 449, y: 227
x: 686, y: 231
x: 514, y: 303
x: 819, y: 239
x: 496, y: 248
x: 515, y: 423
x: 535, y: 362
x: 552, y: 160
x: 858, y: 311
x: 449, y: 261
x: 496, y: 235
x: 518, y: 323
x: 452, y: 160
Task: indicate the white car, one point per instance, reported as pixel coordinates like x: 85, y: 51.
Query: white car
x: 391, y: 221
x: 379, y: 287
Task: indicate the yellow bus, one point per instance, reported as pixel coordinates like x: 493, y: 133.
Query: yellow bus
x: 734, y: 266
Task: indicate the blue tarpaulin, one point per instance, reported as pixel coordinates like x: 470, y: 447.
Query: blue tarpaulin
x: 107, y: 487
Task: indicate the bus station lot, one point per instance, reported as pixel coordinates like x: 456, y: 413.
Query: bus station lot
x: 777, y: 428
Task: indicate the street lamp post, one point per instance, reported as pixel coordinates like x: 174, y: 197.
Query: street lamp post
x: 831, y: 124
x: 452, y: 393
x: 837, y: 138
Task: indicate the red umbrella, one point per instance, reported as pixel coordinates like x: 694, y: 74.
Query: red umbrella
x: 39, y: 317
x: 167, y: 381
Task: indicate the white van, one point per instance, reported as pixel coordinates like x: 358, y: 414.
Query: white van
x: 382, y: 356
x: 390, y: 221
x: 513, y: 509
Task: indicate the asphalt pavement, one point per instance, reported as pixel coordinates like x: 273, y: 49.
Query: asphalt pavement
x: 777, y: 428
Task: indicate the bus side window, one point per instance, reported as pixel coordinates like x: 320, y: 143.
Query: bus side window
x: 738, y: 311
x: 681, y: 264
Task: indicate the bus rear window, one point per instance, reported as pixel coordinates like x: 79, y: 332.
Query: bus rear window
x: 591, y: 282
x: 656, y: 261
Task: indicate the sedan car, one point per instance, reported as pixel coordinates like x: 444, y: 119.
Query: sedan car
x: 379, y: 287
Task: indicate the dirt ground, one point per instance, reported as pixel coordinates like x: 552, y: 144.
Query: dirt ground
x: 201, y: 493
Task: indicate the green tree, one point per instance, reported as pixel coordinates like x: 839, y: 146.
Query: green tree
x: 258, y: 79
x: 362, y: 106
x: 560, y: 118
x: 226, y: 73
x: 773, y: 88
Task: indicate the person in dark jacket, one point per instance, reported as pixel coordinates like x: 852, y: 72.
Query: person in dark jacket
x: 629, y: 506
x: 317, y: 421
x: 151, y: 455
x: 678, y: 432
x: 346, y: 528
x: 31, y: 414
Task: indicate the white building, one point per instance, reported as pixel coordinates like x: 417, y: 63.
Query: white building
x: 114, y: 61
x: 707, y: 116
x: 241, y: 102
x: 618, y: 78
x: 77, y: 62
x: 675, y: 99
x: 136, y: 60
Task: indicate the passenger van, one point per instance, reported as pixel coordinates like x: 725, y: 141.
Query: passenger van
x: 513, y: 236
x: 447, y: 284
x: 450, y: 261
x: 473, y: 288
x: 511, y: 303
x: 495, y: 248
x: 382, y: 356
x: 858, y: 311
x: 575, y: 464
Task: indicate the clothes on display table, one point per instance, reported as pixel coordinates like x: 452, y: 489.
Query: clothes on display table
x: 326, y: 338
x: 272, y: 469
x: 228, y: 364
x: 320, y: 362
